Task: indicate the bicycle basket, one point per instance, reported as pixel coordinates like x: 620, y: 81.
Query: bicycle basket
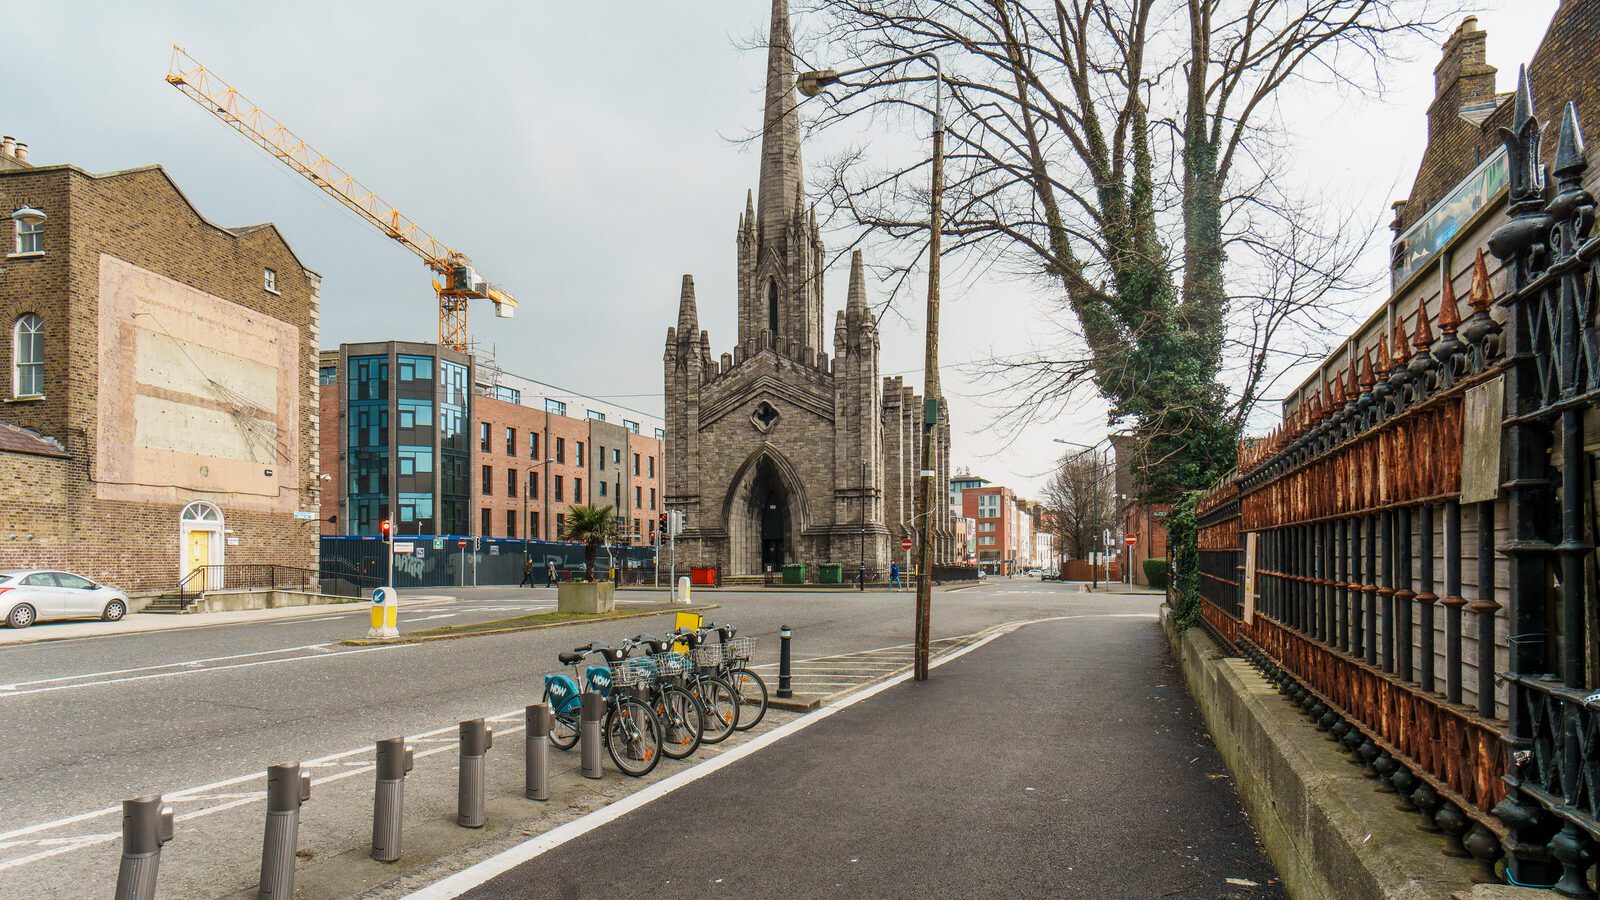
x: 632, y: 674
x: 739, y: 649
x: 671, y: 663
x: 708, y: 656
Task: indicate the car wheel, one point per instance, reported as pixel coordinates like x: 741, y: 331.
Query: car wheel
x: 22, y: 615
x: 115, y: 610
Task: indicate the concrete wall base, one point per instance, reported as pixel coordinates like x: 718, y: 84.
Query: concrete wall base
x: 261, y: 598
x: 1330, y: 833
x: 585, y: 597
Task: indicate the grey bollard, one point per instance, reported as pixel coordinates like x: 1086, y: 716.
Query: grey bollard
x: 594, y: 708
x: 146, y: 825
x: 287, y: 788
x: 536, y: 752
x: 389, y: 798
x: 476, y: 739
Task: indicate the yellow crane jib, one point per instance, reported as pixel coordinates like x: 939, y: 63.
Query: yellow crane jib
x: 461, y: 281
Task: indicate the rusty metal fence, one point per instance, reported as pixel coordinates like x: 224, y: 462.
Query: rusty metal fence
x: 1444, y: 634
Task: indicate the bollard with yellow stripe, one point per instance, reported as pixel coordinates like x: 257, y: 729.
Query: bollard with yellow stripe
x: 385, y: 613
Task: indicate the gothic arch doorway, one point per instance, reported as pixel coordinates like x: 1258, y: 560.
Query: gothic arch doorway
x: 765, y: 515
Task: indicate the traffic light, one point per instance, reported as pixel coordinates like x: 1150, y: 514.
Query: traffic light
x: 386, y: 528
x: 663, y: 528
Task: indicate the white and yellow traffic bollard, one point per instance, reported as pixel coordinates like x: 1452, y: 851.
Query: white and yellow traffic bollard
x: 385, y: 613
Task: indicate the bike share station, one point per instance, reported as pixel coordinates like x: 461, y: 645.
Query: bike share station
x: 638, y: 701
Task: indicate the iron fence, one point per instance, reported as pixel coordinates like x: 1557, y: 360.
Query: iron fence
x: 266, y: 576
x: 1381, y: 604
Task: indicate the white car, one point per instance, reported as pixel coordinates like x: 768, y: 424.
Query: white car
x: 33, y: 595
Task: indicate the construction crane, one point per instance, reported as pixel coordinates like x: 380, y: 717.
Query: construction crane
x: 461, y: 282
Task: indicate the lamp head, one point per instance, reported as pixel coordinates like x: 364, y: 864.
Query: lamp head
x: 28, y: 215
x: 813, y: 83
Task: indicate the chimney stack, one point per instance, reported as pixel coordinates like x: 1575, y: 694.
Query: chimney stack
x: 21, y: 153
x: 8, y: 147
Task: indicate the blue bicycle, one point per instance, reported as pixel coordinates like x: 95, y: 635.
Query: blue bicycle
x: 631, y: 731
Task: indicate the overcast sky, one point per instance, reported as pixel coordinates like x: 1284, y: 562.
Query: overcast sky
x: 581, y: 153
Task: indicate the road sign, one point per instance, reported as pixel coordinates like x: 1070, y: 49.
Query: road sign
x: 1130, y: 539
x: 404, y: 547
x: 305, y: 516
x: 438, y: 543
x: 462, y: 543
x: 905, y: 544
x: 494, y: 549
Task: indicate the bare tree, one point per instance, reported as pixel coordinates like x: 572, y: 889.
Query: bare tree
x: 1079, y: 501
x: 1126, y: 153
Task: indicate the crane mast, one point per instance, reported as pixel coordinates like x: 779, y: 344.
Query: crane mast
x: 458, y: 281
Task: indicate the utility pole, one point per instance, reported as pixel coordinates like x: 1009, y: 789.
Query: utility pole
x: 930, y: 380
x: 861, y: 576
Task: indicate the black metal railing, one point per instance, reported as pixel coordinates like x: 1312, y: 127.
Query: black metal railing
x: 267, y: 576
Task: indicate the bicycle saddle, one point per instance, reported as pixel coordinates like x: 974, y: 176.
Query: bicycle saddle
x: 568, y: 658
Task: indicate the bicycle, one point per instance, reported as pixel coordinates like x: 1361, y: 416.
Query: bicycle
x: 682, y: 717
x: 631, y: 730
x: 701, y: 679
x: 734, y: 669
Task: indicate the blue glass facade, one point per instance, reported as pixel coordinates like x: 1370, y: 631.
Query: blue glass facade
x: 368, y: 448
x: 455, y: 451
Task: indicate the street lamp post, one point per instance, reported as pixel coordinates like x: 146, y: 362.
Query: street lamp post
x: 812, y: 84
x: 861, y: 574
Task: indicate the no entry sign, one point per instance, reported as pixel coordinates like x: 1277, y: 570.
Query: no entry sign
x: 1130, y: 539
x: 905, y: 543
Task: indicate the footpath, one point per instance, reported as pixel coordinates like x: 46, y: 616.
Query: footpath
x: 1062, y: 759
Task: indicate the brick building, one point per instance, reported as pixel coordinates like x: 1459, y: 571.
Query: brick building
x: 161, y: 414
x: 997, y: 514
x: 504, y: 459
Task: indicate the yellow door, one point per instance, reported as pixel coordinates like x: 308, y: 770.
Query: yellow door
x: 199, y: 551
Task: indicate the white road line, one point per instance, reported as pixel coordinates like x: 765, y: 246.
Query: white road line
x: 469, y: 878
x: 187, y: 662
x: 203, y: 670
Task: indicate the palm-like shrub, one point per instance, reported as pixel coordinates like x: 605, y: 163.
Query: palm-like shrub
x: 594, y: 526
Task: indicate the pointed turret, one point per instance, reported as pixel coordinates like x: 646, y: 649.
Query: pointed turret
x: 688, y: 316
x: 780, y: 130
x: 857, y: 299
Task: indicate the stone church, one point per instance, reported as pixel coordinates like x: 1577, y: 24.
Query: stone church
x: 779, y: 452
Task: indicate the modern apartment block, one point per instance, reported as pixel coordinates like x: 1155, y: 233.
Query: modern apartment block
x: 995, y: 509
x: 161, y: 416
x: 442, y: 443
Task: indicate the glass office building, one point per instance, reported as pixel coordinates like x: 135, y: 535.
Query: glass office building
x: 406, y: 454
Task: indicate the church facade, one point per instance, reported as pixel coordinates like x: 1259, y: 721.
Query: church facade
x: 781, y: 451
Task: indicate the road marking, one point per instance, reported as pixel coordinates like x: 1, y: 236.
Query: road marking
x: 499, y: 864
x: 187, y: 662
x: 199, y: 670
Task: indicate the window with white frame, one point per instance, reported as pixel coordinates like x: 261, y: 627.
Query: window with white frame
x: 30, y: 237
x: 27, y: 356
x: 269, y: 280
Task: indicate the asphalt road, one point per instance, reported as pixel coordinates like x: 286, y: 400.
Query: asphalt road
x: 1064, y: 759
x: 210, y: 707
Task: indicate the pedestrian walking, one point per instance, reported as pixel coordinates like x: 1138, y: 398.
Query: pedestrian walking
x: 894, y: 577
x: 550, y: 573
x: 527, y: 572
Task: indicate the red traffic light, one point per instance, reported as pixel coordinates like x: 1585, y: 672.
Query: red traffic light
x: 384, y: 525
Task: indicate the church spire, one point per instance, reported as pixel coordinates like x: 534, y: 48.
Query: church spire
x: 780, y: 130
x: 856, y: 303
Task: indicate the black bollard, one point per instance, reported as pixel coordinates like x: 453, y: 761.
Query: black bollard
x: 536, y: 752
x: 592, y: 711
x: 785, y: 682
x: 476, y: 739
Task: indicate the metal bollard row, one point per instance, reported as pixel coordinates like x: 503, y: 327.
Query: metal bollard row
x: 287, y: 789
x: 147, y: 822
x: 476, y: 739
x: 589, y: 715
x: 536, y: 752
x: 395, y: 758
x: 146, y: 826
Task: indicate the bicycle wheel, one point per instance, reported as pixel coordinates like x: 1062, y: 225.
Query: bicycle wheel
x: 721, y: 705
x: 752, y: 694
x: 633, y: 736
x: 682, y: 723
x: 564, y: 731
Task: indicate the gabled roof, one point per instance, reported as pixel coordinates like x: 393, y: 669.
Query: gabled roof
x: 238, y: 232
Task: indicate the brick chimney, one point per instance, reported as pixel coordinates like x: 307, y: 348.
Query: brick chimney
x: 1463, y: 81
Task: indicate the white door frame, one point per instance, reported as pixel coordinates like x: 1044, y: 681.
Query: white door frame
x: 206, y: 517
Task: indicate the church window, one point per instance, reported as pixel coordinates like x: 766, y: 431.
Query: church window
x: 772, y: 307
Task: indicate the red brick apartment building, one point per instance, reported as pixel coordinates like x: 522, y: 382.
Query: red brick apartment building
x: 994, y: 508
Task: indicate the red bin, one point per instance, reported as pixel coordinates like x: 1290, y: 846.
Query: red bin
x: 703, y: 575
